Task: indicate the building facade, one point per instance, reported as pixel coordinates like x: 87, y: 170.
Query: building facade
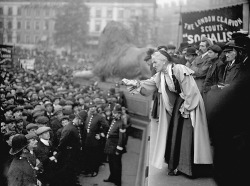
x: 28, y: 23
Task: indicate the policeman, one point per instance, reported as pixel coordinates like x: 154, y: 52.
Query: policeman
x: 115, y: 141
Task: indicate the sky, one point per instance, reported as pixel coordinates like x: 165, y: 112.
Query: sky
x: 162, y: 2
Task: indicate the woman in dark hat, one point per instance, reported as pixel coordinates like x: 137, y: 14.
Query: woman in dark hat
x: 22, y: 171
x: 182, y: 118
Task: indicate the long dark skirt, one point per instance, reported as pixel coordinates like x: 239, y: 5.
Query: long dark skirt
x: 179, y: 147
x: 155, y: 108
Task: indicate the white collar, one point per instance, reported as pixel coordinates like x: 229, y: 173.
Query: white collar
x: 202, y: 55
x: 45, y: 142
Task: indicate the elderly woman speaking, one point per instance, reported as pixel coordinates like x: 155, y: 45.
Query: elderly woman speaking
x: 182, y: 134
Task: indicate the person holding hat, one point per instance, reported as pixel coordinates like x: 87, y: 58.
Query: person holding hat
x: 44, y: 152
x: 115, y: 141
x: 201, y: 63
x: 22, y: 170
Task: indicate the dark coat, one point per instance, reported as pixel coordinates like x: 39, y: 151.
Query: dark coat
x: 230, y: 132
x: 21, y: 173
x: 69, y: 138
x: 98, y: 125
x: 116, y: 137
x: 214, y: 74
x: 200, y: 67
x: 231, y: 73
x: 43, y: 153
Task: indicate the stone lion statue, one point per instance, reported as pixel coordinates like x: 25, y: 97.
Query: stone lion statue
x: 118, y: 56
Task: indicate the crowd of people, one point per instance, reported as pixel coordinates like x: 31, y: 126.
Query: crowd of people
x: 197, y: 93
x: 53, y: 130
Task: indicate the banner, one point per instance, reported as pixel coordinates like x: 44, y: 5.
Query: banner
x: 216, y: 24
x: 28, y: 64
x: 6, y: 56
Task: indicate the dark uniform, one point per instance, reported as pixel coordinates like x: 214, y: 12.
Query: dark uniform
x: 115, y: 141
x: 94, y: 126
x: 67, y: 155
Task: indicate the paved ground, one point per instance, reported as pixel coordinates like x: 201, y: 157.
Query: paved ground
x: 129, y: 169
x: 159, y: 177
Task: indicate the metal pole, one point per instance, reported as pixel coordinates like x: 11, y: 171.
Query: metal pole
x: 179, y: 25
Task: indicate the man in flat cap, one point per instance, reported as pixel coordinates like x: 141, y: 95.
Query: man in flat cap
x: 31, y: 128
x: 44, y: 152
x: 20, y: 128
x: 234, y: 62
x: 49, y: 108
x: 9, y: 111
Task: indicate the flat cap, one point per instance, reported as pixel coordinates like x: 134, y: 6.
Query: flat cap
x: 67, y: 111
x: 9, y: 96
x: 31, y: 135
x: 10, y: 107
x: 10, y: 120
x: 28, y: 107
x: 18, y: 108
x: 42, y: 130
x: 66, y: 117
x: 47, y: 102
x: 215, y: 48
x: 42, y: 120
x: 31, y: 126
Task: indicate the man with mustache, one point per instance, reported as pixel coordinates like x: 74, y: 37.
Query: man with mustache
x: 201, y: 63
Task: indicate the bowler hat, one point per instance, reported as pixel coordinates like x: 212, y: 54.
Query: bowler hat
x: 231, y: 45
x: 237, y: 34
x: 19, y: 142
x: 191, y: 51
x: 42, y: 130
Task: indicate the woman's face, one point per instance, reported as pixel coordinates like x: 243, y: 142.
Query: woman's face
x: 159, y: 64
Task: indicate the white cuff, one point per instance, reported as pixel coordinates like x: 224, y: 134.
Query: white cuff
x: 119, y: 148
